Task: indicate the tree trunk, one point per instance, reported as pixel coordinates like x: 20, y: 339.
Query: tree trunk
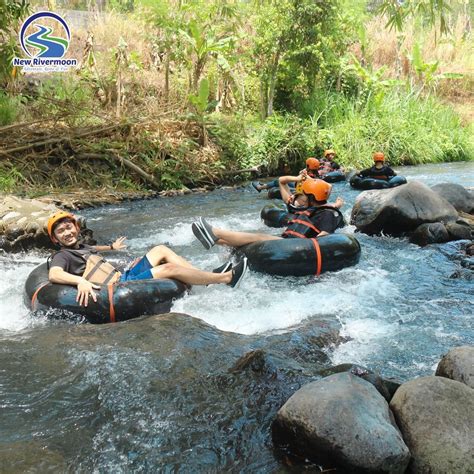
x: 263, y: 98
x: 271, y: 88
x: 167, y: 76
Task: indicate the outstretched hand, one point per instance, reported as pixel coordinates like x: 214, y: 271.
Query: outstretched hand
x: 119, y: 244
x: 339, y: 202
x: 84, y: 290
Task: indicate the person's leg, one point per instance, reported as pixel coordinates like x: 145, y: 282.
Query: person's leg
x: 162, y: 254
x: 193, y: 276
x: 237, y: 239
x: 190, y: 276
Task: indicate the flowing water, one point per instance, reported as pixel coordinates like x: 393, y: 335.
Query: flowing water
x: 164, y: 393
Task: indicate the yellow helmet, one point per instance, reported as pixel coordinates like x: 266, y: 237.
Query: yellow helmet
x: 317, y: 188
x: 55, y: 218
x: 329, y: 152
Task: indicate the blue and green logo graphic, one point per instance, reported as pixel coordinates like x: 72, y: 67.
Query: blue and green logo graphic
x: 45, y: 38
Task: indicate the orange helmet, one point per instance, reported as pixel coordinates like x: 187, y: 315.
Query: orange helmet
x: 55, y: 218
x: 312, y: 164
x: 318, y: 188
x: 379, y: 156
x: 329, y: 152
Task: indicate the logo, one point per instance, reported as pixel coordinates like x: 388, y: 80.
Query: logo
x: 45, y: 38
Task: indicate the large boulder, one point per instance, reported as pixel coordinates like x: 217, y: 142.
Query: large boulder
x: 23, y: 224
x: 397, y: 211
x: 461, y: 198
x: 436, y: 418
x: 342, y: 421
x: 458, y: 364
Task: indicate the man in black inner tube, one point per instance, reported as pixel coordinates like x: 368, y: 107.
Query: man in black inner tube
x: 69, y: 263
x: 380, y: 170
x: 328, y: 165
x: 315, y: 218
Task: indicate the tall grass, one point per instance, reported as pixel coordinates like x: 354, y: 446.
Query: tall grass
x: 408, y: 128
x: 454, y: 52
x: 9, y: 109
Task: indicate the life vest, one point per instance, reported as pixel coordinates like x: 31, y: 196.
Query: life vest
x: 302, y: 226
x: 98, y: 271
x: 325, y: 168
x: 378, y: 173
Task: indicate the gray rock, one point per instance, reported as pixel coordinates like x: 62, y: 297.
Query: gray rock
x: 386, y: 387
x: 458, y: 364
x: 461, y: 198
x: 432, y: 233
x: 436, y: 418
x: 342, y: 421
x: 459, y: 230
x: 396, y: 211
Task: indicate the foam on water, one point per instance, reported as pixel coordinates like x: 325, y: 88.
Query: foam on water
x: 178, y: 234
x: 15, y: 270
x: 265, y: 303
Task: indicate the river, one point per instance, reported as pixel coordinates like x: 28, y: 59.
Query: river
x: 161, y: 393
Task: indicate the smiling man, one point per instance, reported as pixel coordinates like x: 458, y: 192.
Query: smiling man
x: 81, y: 265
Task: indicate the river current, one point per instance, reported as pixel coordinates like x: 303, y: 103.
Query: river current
x: 164, y: 393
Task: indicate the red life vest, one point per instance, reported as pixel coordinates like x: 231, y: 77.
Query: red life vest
x: 325, y: 168
x: 302, y: 226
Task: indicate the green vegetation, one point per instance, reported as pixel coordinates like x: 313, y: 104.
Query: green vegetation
x: 202, y: 89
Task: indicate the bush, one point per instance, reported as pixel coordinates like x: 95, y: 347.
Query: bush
x: 283, y: 139
x: 9, y: 108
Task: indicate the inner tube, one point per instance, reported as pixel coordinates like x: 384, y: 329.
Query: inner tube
x: 274, y: 193
x: 275, y: 215
x: 334, y: 177
x: 373, y: 183
x: 299, y: 257
x: 117, y: 302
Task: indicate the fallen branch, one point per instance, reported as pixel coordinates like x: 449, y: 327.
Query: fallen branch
x: 123, y: 161
x: 27, y: 124
x: 254, y: 169
x: 52, y: 141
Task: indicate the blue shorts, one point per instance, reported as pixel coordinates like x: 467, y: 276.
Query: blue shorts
x: 139, y: 271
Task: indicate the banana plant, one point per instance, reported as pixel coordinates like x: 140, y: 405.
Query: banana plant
x: 426, y: 72
x: 203, y: 42
x: 200, y: 103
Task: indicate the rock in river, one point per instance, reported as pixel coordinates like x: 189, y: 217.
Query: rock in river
x: 399, y: 210
x: 458, y: 364
x: 436, y: 418
x: 342, y: 421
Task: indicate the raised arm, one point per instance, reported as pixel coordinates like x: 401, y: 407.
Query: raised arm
x: 116, y: 245
x: 285, y: 190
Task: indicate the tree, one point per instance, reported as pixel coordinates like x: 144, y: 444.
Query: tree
x: 11, y: 13
x: 398, y: 11
x: 294, y: 41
